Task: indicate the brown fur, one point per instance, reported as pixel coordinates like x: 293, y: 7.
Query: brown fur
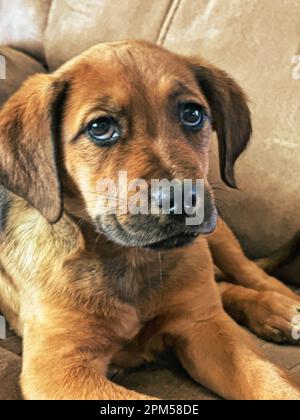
x: 84, y: 300
x: 284, y: 263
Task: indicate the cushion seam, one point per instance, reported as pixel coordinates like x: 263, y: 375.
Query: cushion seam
x: 167, y: 22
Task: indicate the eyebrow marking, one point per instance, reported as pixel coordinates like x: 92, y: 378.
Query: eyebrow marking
x: 179, y: 88
x: 106, y: 104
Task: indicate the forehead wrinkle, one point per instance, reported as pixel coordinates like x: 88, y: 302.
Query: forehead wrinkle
x: 141, y: 100
x: 164, y: 75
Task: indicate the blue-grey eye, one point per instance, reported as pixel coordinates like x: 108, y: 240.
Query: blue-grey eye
x: 192, y: 116
x: 104, y: 131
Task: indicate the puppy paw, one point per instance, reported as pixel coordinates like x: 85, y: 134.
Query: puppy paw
x: 275, y: 317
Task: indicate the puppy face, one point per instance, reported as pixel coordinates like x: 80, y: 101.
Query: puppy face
x: 130, y: 107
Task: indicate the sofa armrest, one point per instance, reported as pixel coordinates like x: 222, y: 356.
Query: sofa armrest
x: 16, y: 67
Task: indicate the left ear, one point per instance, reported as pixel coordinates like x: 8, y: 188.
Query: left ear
x: 29, y: 136
x: 230, y: 112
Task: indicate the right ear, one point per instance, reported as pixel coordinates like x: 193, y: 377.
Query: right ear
x: 29, y: 127
x: 230, y: 112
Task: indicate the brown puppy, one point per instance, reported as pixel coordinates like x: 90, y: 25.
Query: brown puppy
x: 87, y: 289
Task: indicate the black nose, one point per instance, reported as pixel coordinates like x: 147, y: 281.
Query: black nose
x: 179, y: 203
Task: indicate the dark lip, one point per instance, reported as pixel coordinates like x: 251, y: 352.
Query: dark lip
x: 177, y: 241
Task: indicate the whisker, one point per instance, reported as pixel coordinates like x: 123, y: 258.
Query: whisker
x: 160, y: 269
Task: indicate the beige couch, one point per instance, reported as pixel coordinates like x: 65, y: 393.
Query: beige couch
x: 254, y: 40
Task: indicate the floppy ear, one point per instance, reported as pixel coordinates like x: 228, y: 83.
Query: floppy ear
x: 29, y: 126
x: 230, y: 112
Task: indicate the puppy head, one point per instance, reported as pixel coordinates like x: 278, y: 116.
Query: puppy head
x: 128, y: 107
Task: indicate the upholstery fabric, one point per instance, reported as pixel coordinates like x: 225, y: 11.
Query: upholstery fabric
x: 22, y: 24
x: 18, y: 67
x: 75, y: 26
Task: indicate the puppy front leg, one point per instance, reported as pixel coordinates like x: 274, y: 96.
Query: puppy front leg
x: 67, y: 360
x: 268, y: 314
x: 231, y: 260
x: 220, y: 356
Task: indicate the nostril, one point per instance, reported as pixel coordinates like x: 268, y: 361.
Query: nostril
x: 159, y: 200
x: 168, y: 200
x: 190, y: 202
x: 165, y: 200
x: 172, y: 204
x: 194, y: 196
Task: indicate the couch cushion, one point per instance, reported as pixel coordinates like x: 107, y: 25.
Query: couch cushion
x: 10, y: 369
x: 22, y: 24
x: 255, y: 42
x: 75, y: 26
x: 18, y: 67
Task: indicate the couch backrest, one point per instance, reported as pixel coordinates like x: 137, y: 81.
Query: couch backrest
x: 256, y: 41
x: 23, y: 23
x: 74, y: 26
x: 18, y: 66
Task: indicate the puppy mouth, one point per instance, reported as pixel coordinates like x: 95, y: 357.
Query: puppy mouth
x: 120, y: 234
x: 185, y: 238
x: 123, y: 237
x: 173, y: 242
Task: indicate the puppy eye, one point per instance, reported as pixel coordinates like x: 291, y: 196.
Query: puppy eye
x: 192, y: 116
x: 104, y: 131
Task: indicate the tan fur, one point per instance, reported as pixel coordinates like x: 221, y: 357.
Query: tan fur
x: 80, y: 300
